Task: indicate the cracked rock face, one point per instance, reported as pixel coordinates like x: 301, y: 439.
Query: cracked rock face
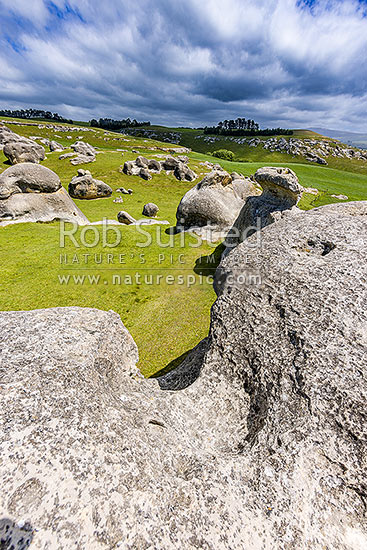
x: 281, y: 193
x: 257, y: 441
x: 214, y: 203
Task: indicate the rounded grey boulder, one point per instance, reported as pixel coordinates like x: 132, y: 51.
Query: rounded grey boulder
x: 154, y: 165
x: 28, y: 178
x: 150, y: 210
x: 6, y: 135
x: 23, y: 150
x: 214, y: 203
x: 84, y: 186
x: 86, y: 153
x: 281, y: 182
x: 125, y: 218
x: 145, y: 174
x: 142, y: 162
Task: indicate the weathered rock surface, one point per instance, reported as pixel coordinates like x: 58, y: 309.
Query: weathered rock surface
x: 183, y: 173
x: 28, y: 178
x: 83, y: 148
x: 281, y: 193
x: 84, y: 186
x: 55, y: 146
x: 66, y: 156
x: 170, y: 163
x: 40, y: 207
x: 144, y: 168
x: 150, y: 209
x: 145, y: 174
x: 33, y: 193
x: 125, y: 218
x: 142, y: 162
x: 294, y: 346
x: 23, y: 150
x: 154, y: 166
x: 214, y: 203
x: 264, y: 448
x: 86, y: 153
x: 6, y: 135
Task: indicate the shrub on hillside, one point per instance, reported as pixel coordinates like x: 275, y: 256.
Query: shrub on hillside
x: 223, y: 154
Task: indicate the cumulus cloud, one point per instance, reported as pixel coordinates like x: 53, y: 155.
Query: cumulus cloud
x: 293, y: 63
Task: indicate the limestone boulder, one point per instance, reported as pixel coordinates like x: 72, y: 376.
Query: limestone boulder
x: 85, y: 153
x: 7, y: 135
x: 23, y: 150
x: 55, y: 146
x: 82, y: 159
x: 150, y: 210
x: 258, y: 440
x: 142, y: 162
x: 28, y: 178
x: 183, y: 173
x: 130, y: 168
x: 40, y: 207
x: 84, y: 186
x: 214, y: 203
x: 145, y: 174
x: 83, y: 148
x: 125, y: 218
x: 67, y: 156
x: 281, y: 193
x: 154, y: 165
x: 33, y: 193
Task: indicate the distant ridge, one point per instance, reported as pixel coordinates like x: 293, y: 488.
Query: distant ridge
x: 351, y: 138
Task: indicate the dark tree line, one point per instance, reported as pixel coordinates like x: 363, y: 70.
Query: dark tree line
x: 34, y: 113
x: 110, y: 124
x: 243, y: 127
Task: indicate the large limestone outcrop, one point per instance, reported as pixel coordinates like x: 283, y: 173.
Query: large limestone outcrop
x: 84, y: 186
x: 264, y: 448
x: 214, y: 204
x: 281, y: 193
x: 144, y: 168
x: 18, y: 150
x: 33, y: 193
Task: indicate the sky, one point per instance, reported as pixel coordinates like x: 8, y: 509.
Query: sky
x: 288, y: 63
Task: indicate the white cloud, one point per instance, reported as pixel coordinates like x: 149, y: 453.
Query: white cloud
x: 273, y: 60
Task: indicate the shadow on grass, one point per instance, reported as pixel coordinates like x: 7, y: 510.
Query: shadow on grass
x: 206, y: 265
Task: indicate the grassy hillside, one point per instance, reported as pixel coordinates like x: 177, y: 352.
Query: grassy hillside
x: 329, y: 181
x: 197, y: 141
x: 165, y: 318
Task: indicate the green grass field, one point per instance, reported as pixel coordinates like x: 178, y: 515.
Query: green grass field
x: 165, y: 318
